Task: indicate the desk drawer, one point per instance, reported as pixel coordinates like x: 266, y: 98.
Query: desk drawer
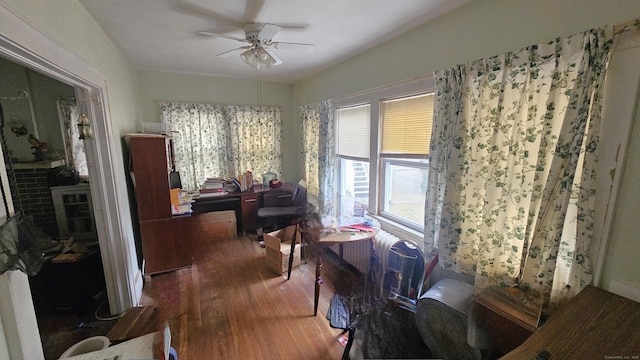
x: 250, y: 204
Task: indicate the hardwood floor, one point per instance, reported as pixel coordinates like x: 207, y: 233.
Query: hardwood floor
x: 228, y: 305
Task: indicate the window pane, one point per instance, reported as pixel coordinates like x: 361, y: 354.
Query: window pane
x: 354, y: 188
x: 353, y: 131
x: 405, y: 191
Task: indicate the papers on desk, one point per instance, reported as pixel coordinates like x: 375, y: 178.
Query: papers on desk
x: 180, y: 202
x: 210, y: 194
x: 357, y: 227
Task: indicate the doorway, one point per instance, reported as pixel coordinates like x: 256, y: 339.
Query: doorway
x: 23, y: 44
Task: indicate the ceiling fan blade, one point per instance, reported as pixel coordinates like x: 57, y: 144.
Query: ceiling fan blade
x: 294, y: 46
x: 207, y: 14
x: 215, y: 34
x: 275, y: 57
x: 233, y: 51
x: 252, y: 10
x: 268, y: 31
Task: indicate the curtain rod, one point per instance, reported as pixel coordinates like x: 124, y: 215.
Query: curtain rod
x: 91, y: 98
x: 382, y: 87
x: 626, y: 26
x: 21, y: 95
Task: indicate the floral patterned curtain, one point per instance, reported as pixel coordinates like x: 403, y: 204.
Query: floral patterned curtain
x: 513, y: 152
x: 255, y: 140
x: 224, y: 141
x: 74, y: 147
x: 318, y: 152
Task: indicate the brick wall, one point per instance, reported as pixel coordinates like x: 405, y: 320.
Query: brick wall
x: 33, y: 190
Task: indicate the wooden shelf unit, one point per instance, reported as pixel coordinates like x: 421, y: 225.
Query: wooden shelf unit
x: 74, y: 211
x: 166, y: 240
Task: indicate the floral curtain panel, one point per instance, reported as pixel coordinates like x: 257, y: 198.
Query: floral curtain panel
x: 224, y: 141
x: 512, y: 165
x: 318, y: 152
x: 255, y: 140
x: 74, y: 147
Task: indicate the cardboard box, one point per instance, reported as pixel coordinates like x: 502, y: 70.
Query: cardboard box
x: 217, y: 225
x: 278, y: 247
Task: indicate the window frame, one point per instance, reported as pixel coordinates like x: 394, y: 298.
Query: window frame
x: 403, y: 159
x: 339, y: 169
x: 385, y: 161
x: 416, y: 86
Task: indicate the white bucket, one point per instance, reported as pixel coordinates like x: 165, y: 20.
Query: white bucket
x: 87, y: 345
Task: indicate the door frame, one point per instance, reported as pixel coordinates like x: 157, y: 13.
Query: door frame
x: 25, y: 45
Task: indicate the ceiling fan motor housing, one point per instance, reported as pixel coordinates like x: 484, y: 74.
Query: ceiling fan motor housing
x: 257, y: 33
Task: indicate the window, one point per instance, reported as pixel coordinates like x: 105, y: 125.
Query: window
x: 353, y: 144
x: 387, y: 176
x: 406, y: 132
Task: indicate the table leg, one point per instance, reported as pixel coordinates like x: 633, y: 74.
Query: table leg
x: 318, y: 280
x: 293, y: 248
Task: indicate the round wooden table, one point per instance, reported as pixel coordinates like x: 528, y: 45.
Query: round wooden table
x: 337, y: 237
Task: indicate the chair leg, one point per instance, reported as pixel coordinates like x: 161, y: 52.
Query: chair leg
x: 347, y: 348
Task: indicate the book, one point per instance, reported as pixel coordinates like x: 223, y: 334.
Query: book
x: 212, y: 190
x: 181, y: 209
x: 66, y: 258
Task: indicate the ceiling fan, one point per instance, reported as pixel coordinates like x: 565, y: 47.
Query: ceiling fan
x: 259, y: 51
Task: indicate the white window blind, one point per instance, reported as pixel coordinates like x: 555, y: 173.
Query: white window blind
x: 406, y: 125
x: 353, y: 131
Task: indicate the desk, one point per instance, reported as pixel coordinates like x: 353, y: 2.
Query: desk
x: 595, y: 324
x: 65, y: 284
x: 335, y: 238
x: 245, y: 204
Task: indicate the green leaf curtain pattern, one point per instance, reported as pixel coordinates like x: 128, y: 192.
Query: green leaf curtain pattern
x: 318, y: 152
x: 224, y: 140
x: 512, y: 165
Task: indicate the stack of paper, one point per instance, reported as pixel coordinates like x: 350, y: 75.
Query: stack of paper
x: 180, y: 202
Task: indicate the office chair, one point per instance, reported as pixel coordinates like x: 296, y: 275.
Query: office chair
x: 287, y: 215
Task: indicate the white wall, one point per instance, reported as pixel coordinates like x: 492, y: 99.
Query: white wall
x: 42, y: 91
x: 621, y: 273
x: 489, y: 27
x: 14, y: 79
x: 19, y: 320
x: 157, y: 86
x: 68, y: 24
x: 478, y: 29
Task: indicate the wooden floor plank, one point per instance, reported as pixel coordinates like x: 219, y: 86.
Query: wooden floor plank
x: 229, y: 305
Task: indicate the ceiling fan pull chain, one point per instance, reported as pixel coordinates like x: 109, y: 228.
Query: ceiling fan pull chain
x: 259, y: 77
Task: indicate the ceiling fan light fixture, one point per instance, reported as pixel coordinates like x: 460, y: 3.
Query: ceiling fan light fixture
x: 258, y: 57
x: 250, y: 58
x: 265, y: 58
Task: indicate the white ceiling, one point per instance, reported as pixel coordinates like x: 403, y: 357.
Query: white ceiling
x: 162, y: 35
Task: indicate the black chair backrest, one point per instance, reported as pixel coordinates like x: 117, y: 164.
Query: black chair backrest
x: 299, y: 196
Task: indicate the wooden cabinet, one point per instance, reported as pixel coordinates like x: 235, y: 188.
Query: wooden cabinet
x: 509, y: 316
x: 166, y: 245
x: 151, y: 159
x: 74, y: 211
x: 166, y: 241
